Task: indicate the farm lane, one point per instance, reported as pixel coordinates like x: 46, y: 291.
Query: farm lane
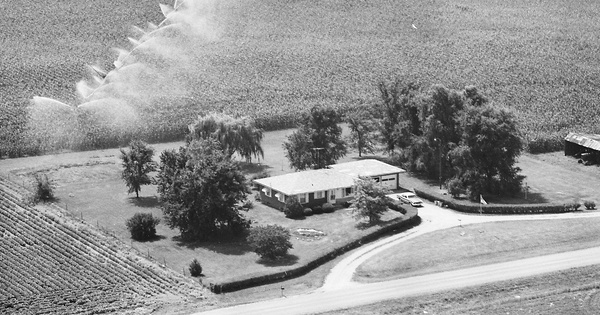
x: 362, y: 294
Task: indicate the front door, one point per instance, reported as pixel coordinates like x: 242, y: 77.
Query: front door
x: 332, y: 196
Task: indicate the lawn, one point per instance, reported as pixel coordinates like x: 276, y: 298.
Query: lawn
x: 480, y: 244
x: 88, y: 184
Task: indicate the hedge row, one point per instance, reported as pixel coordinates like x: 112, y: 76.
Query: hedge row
x: 404, y: 223
x: 465, y: 206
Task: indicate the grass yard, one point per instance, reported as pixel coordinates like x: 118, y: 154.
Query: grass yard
x: 88, y: 184
x: 107, y: 202
x: 480, y: 244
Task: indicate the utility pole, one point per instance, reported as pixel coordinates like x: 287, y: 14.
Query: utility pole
x: 439, y: 143
x: 317, y: 155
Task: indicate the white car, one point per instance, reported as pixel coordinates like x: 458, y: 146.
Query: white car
x: 411, y: 199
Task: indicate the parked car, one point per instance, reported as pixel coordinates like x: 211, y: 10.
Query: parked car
x: 411, y: 199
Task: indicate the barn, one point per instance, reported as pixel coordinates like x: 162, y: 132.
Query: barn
x: 583, y: 146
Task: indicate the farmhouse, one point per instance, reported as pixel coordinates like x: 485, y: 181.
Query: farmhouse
x: 334, y: 184
x: 584, y: 146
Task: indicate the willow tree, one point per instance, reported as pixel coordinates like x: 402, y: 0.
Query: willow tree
x: 236, y: 135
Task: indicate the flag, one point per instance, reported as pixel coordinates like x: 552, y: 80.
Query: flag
x: 481, y: 200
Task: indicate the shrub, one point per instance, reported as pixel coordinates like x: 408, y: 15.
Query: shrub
x: 572, y: 206
x: 589, y: 205
x: 248, y: 204
x: 455, y: 188
x: 308, y: 212
x: 328, y: 208
x: 257, y: 198
x: 293, y: 208
x: 317, y: 209
x: 142, y: 226
x: 195, y: 268
x: 44, y: 189
x: 270, y: 242
x: 466, y: 206
x: 396, y: 205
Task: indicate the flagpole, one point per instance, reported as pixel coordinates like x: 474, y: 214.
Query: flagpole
x: 480, y: 204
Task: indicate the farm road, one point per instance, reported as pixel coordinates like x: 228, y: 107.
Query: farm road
x: 339, y: 291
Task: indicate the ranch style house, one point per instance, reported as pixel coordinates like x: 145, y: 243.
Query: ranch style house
x: 334, y: 184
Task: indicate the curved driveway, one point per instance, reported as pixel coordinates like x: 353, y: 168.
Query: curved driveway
x: 339, y: 291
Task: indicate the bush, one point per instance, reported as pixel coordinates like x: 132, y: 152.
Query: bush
x: 589, y: 205
x: 455, y: 189
x: 257, y: 197
x: 195, y: 268
x: 466, y: 206
x: 293, y: 208
x: 270, y: 242
x: 328, y: 208
x: 317, y: 209
x: 396, y: 205
x: 44, y: 189
x: 308, y: 212
x: 248, y: 204
x: 572, y: 206
x: 142, y: 226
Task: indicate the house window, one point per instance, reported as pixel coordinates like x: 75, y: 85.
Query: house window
x: 302, y: 198
x: 348, y: 191
x: 332, y: 194
x: 267, y: 191
x: 280, y: 197
x: 319, y: 195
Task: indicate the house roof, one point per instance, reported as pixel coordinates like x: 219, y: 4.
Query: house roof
x: 367, y: 167
x: 307, y: 181
x: 587, y: 140
x: 336, y: 176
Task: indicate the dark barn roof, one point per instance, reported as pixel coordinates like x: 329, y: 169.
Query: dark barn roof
x: 591, y: 141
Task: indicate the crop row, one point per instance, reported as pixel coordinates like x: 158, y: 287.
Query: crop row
x: 48, y: 259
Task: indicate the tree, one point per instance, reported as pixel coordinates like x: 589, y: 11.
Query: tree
x: 369, y: 199
x: 200, y: 188
x: 399, y: 113
x: 142, y: 226
x: 235, y: 134
x: 489, y: 147
x: 195, y: 268
x: 44, y: 188
x: 318, y: 142
x: 362, y: 128
x: 137, y: 164
x: 270, y: 242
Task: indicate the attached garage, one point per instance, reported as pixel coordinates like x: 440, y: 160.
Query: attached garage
x: 381, y: 172
x: 390, y: 181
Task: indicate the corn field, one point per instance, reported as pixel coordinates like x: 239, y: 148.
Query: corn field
x: 273, y: 60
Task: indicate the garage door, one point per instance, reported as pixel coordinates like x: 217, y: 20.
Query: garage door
x: 389, y: 181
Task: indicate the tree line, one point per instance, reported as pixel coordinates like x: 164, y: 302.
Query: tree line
x: 458, y: 137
